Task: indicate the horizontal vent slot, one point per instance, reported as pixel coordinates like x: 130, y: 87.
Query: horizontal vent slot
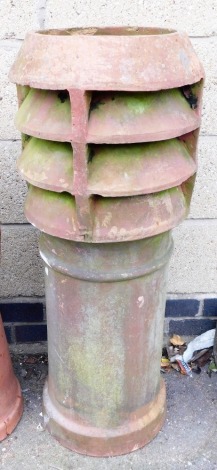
x: 113, y: 219
x: 113, y: 170
x: 51, y: 212
x: 47, y: 164
x: 122, y: 219
x: 45, y: 114
x: 128, y: 117
x: 127, y: 170
x: 114, y: 117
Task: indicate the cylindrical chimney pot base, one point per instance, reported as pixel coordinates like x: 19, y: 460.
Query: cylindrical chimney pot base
x: 105, y: 313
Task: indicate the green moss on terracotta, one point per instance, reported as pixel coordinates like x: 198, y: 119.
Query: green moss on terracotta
x: 44, y: 160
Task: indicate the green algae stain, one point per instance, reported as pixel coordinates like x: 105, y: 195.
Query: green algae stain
x: 50, y: 197
x: 62, y: 110
x: 140, y: 103
x: 63, y: 379
x: 54, y: 158
x: 35, y: 104
x: 99, y: 379
x: 95, y: 362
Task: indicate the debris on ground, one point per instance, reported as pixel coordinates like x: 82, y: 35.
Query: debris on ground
x: 212, y: 368
x: 31, y: 367
x: 165, y: 364
x: 189, y: 358
x: 177, y: 340
x: 40, y: 428
x: 184, y: 367
x: 206, y: 340
x: 215, y: 347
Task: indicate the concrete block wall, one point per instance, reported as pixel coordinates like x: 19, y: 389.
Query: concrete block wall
x: 192, y: 286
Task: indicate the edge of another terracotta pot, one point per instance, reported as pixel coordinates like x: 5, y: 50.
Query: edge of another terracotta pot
x: 11, y: 418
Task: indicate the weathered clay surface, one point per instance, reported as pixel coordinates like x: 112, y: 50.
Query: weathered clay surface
x: 135, y: 85
x: 99, y: 366
x: 110, y: 121
x: 42, y: 114
x: 48, y: 165
x: 11, y: 403
x: 113, y: 219
x: 139, y: 169
x: 119, y: 118
x: 115, y: 118
x: 112, y: 171
x: 138, y: 59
